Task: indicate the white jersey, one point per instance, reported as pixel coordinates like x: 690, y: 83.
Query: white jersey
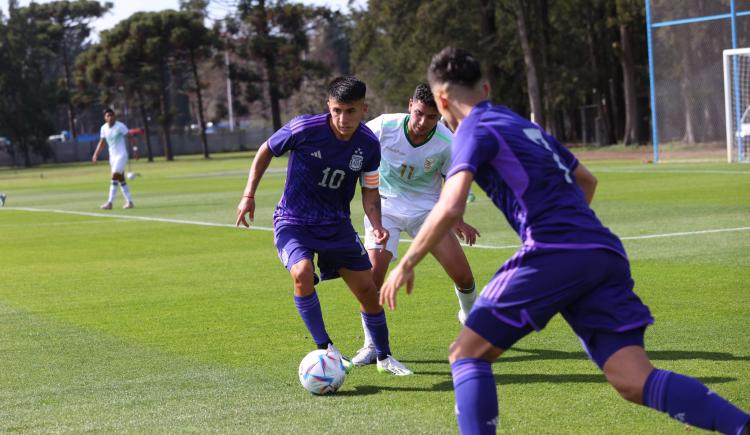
x: 411, y: 176
x: 115, y: 137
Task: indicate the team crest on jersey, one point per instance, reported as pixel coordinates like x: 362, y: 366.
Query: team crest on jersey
x: 428, y: 164
x: 355, y: 164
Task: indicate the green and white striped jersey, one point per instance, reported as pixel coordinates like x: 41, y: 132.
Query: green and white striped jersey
x: 411, y: 176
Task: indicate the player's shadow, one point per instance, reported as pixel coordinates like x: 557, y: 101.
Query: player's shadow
x: 367, y: 390
x: 656, y: 355
x: 539, y: 378
x: 505, y: 379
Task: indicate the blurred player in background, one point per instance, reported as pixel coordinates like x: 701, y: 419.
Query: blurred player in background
x: 569, y: 263
x: 328, y: 153
x: 415, y: 155
x: 114, y: 133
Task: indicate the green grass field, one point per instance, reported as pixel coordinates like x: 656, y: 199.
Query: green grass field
x: 166, y: 318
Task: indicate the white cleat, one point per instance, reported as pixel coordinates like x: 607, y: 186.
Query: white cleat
x: 128, y: 204
x: 392, y: 365
x: 344, y: 360
x: 366, y: 355
x: 106, y: 206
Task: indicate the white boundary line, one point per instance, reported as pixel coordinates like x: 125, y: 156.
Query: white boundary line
x: 131, y: 217
x: 259, y: 228
x: 670, y: 171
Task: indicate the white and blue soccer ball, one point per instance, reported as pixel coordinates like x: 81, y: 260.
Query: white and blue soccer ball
x: 131, y: 175
x: 322, y: 372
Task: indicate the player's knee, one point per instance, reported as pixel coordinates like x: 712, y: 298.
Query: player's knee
x: 453, y: 353
x: 302, y: 272
x: 457, y: 351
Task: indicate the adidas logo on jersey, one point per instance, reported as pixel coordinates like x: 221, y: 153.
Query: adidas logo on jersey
x: 317, y: 154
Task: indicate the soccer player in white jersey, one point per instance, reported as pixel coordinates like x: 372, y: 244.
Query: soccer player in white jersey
x: 415, y: 155
x: 114, y: 134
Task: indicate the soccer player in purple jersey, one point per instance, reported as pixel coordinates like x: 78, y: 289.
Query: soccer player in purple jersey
x: 568, y: 263
x: 328, y: 153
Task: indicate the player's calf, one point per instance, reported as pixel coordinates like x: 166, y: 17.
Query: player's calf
x: 682, y: 398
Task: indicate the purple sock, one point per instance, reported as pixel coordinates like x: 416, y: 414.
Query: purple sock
x: 378, y: 329
x: 689, y: 401
x: 476, y: 396
x: 309, y: 309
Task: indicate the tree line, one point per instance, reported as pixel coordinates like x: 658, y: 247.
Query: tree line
x: 578, y: 67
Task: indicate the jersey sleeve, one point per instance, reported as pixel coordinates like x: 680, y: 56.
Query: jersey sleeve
x: 373, y: 163
x: 102, y: 135
x: 471, y: 150
x: 123, y: 129
x: 376, y: 125
x: 282, y: 140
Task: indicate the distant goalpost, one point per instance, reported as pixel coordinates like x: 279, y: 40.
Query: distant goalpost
x: 737, y: 103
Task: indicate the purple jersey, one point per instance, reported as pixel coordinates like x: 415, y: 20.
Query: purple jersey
x: 323, y: 171
x: 528, y: 175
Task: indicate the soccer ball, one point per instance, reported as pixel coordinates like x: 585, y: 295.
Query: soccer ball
x: 322, y: 372
x: 131, y: 175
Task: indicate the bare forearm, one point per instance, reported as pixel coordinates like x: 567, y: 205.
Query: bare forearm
x: 438, y: 223
x: 99, y: 148
x: 447, y: 212
x: 257, y: 169
x: 371, y: 206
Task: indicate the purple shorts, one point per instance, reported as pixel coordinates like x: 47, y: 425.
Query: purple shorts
x: 592, y: 289
x: 338, y: 246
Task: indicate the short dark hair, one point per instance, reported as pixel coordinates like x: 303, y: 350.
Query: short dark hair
x: 424, y: 94
x: 454, y: 66
x: 109, y: 110
x: 347, y: 89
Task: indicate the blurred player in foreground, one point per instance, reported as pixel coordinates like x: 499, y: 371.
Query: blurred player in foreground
x: 568, y: 263
x: 415, y: 155
x: 113, y: 133
x: 328, y: 153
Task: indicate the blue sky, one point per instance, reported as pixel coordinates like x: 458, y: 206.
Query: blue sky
x: 124, y: 8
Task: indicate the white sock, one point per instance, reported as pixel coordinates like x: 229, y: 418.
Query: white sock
x: 368, y: 338
x: 125, y: 191
x: 112, y: 191
x: 466, y: 297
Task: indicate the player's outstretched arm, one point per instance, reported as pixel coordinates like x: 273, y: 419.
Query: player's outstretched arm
x: 447, y: 212
x: 257, y: 169
x: 586, y: 181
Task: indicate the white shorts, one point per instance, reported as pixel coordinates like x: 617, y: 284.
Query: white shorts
x: 395, y: 224
x: 118, y: 163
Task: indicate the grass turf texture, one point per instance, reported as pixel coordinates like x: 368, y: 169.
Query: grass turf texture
x: 114, y: 324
